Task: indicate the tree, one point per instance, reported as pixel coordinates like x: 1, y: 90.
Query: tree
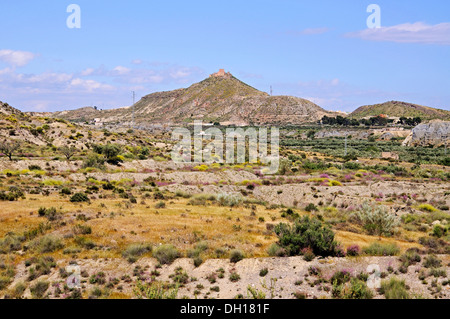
x: 9, y: 148
x: 376, y: 219
x: 68, y: 151
x: 310, y: 134
x: 110, y: 151
x: 307, y: 233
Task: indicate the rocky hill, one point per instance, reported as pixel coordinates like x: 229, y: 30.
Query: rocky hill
x: 220, y: 98
x: 6, y: 109
x: 434, y: 133
x: 399, y: 109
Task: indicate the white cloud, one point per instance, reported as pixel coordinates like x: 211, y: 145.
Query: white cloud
x: 89, y: 85
x: 121, y: 70
x: 308, y: 31
x: 16, y: 58
x: 87, y: 72
x: 181, y: 73
x: 418, y: 32
x: 311, y: 31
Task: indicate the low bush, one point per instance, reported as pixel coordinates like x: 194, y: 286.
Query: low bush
x: 39, y: 266
x: 50, y: 213
x: 376, y: 219
x: 79, y: 197
x: 234, y: 277
x: 263, y: 272
x: 39, y: 289
x: 10, y: 243
x: 46, y: 244
x: 427, y: 208
x: 166, y: 254
x: 378, y: 249
x: 410, y: 257
x: 13, y: 194
x: 353, y: 250
x: 154, y: 290
x: 355, y: 289
x: 236, y: 255
x: 307, y: 233
x: 432, y: 261
x: 394, y: 289
x: 160, y: 204
x: 275, y: 250
x: 82, y: 229
x: 134, y: 251
x: 230, y: 200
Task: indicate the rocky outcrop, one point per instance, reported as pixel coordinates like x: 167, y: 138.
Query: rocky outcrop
x: 433, y: 133
x: 6, y: 109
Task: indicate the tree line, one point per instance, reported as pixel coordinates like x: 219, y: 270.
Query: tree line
x: 373, y: 121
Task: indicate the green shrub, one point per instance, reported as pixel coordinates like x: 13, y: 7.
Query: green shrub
x: 46, y: 244
x: 79, y: 197
x: 38, y: 290
x: 154, y: 290
x: 355, y: 289
x: 275, y: 250
x: 236, y: 255
x: 134, y: 251
x: 378, y: 249
x: 180, y: 277
x: 40, y: 266
x: 308, y: 254
x: 50, y: 213
x: 160, y: 204
x: 439, y: 231
x: 198, y: 261
x: 10, y: 243
x: 376, y: 219
x: 234, y: 277
x: 230, y: 200
x: 82, y: 229
x: 307, y: 233
x: 410, y: 257
x: 394, y: 289
x: 4, y: 281
x: 14, y: 194
x: 66, y: 191
x: 263, y: 272
x: 432, y: 261
x: 311, y: 207
x: 166, y: 254
x: 427, y: 208
x: 18, y: 290
x: 95, y: 161
x: 84, y: 242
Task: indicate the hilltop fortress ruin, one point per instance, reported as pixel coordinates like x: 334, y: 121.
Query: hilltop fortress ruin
x: 221, y: 74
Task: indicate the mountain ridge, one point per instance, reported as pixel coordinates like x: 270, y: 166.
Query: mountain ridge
x: 220, y: 98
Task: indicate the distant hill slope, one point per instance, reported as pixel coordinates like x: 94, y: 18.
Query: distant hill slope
x: 6, y: 109
x: 399, y: 109
x: 219, y: 98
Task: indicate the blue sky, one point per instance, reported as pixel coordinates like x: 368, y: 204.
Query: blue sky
x: 320, y: 50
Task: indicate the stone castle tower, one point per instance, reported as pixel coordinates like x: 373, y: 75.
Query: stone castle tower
x: 221, y: 74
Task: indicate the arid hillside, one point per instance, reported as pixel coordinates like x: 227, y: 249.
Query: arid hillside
x: 400, y: 109
x: 222, y: 99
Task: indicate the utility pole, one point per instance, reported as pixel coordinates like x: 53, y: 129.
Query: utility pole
x: 271, y: 90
